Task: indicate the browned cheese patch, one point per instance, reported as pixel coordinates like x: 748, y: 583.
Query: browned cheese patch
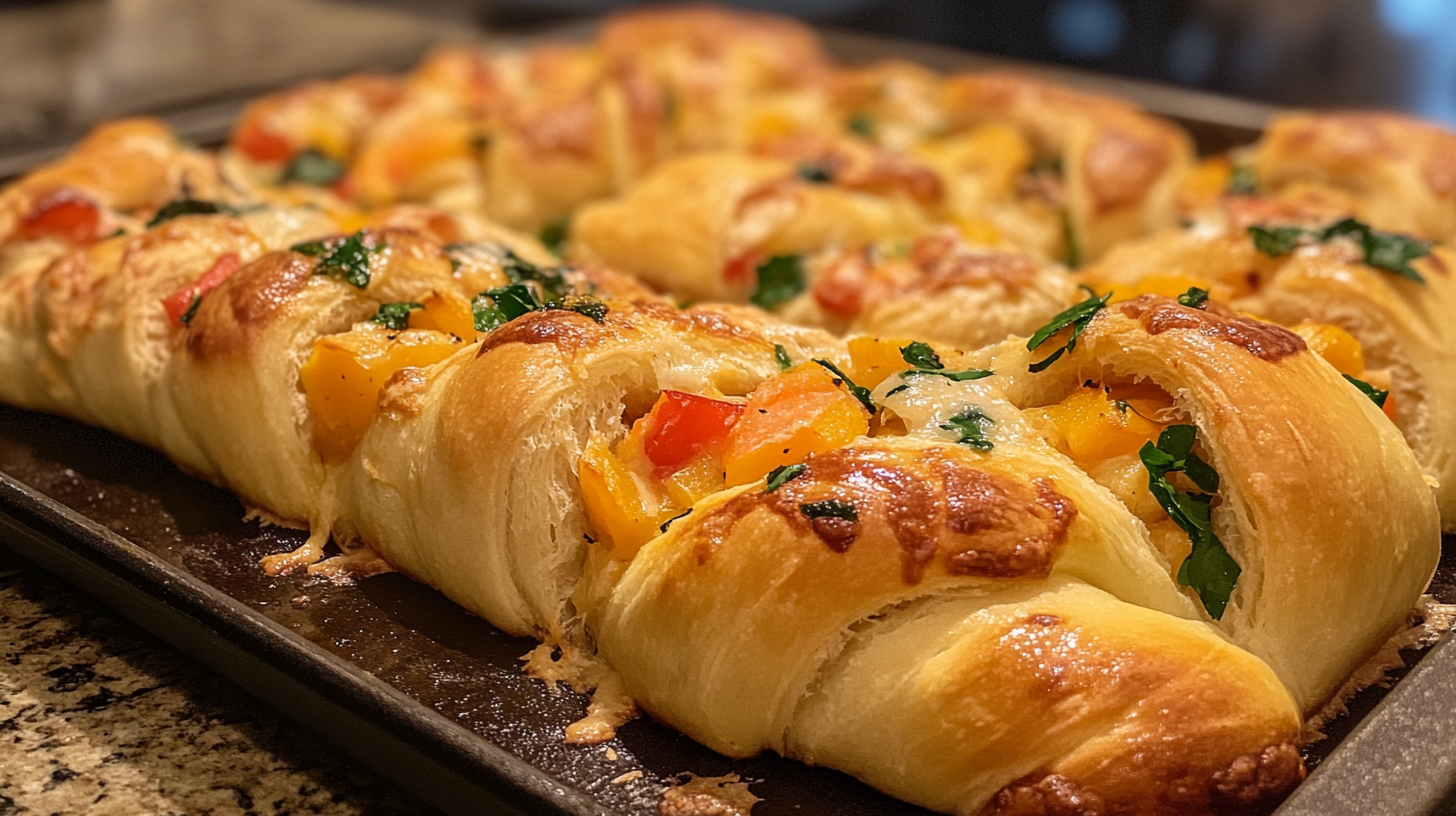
x: 1266, y: 341
x: 1257, y: 782
x: 948, y: 264
x: 1047, y: 795
x: 232, y: 315
x: 1121, y: 166
x: 932, y: 505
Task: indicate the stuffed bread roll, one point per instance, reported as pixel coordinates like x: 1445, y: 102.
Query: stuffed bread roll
x: 942, y: 288
x: 1373, y: 303
x: 928, y: 584
x: 1298, y: 515
x: 1110, y: 168
x: 467, y: 479
x: 730, y: 213
x: 1399, y: 173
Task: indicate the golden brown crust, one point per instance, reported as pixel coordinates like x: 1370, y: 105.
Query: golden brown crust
x: 229, y: 320
x: 1267, y: 341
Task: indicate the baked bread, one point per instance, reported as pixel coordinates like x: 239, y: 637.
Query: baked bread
x: 1115, y: 576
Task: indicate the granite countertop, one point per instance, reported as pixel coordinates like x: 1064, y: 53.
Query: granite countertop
x: 97, y: 716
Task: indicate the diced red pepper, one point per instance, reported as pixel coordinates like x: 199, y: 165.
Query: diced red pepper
x: 258, y: 143
x: 685, y: 425
x: 180, y: 302
x: 744, y: 267
x: 840, y: 290
x: 64, y: 213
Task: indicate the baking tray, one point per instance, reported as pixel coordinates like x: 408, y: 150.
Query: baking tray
x: 433, y: 697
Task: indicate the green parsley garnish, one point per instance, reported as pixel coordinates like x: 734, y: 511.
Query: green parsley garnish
x: 1073, y: 257
x: 1376, y: 395
x: 588, y: 305
x: 860, y: 392
x: 1383, y: 250
x: 779, y: 476
x: 313, y: 167
x: 921, y: 355
x: 831, y: 508
x: 395, y: 315
x: 313, y: 249
x: 780, y: 278
x: 553, y: 236
x: 1276, y: 241
x: 349, y: 260
x: 1242, y: 180
x: 781, y: 354
x: 500, y: 305
x: 1209, y: 568
x: 1194, y: 298
x: 189, y: 206
x: 815, y: 172
x: 1078, y: 317
x: 549, y: 281
x: 972, y: 424
x: 186, y: 318
x: 861, y: 125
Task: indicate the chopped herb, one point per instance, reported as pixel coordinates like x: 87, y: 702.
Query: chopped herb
x: 498, y: 306
x: 553, y: 236
x: 349, y: 260
x: 779, y: 476
x: 972, y: 424
x: 188, y: 206
x: 589, y: 305
x: 861, y: 125
x: 782, y: 356
x: 1383, y: 250
x: 550, y: 281
x: 1376, y: 395
x: 832, y: 508
x: 480, y: 143
x: 1242, y: 180
x: 860, y: 392
x: 186, y: 318
x: 313, y: 249
x: 1078, y: 317
x: 663, y: 527
x: 313, y: 167
x: 119, y: 231
x: 395, y: 315
x: 1051, y: 165
x: 921, y: 355
x: 1073, y: 255
x: 1209, y: 568
x: 927, y: 363
x: 815, y: 172
x: 1194, y: 298
x: 1276, y: 241
x: 780, y: 278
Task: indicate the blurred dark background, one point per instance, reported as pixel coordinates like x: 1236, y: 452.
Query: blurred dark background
x: 67, y: 63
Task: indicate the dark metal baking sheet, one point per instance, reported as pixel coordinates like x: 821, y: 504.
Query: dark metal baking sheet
x: 434, y: 698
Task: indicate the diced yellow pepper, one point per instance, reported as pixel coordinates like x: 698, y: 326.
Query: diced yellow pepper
x: 1093, y: 427
x: 872, y: 359
x: 701, y: 478
x: 1207, y: 181
x: 977, y: 230
x: 789, y: 418
x: 446, y: 313
x: 1339, y: 348
x: 614, y: 501
x: 342, y: 378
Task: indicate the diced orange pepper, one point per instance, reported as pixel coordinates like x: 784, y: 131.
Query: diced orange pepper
x: 614, y: 501
x: 1094, y: 427
x: 253, y: 139
x: 1207, y: 181
x: 977, y: 230
x: 1389, y: 406
x: 444, y: 312
x: 790, y: 417
x: 1169, y: 286
x: 872, y: 359
x: 344, y: 374
x: 1339, y: 348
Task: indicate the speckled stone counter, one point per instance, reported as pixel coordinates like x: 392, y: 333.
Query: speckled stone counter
x: 99, y: 717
